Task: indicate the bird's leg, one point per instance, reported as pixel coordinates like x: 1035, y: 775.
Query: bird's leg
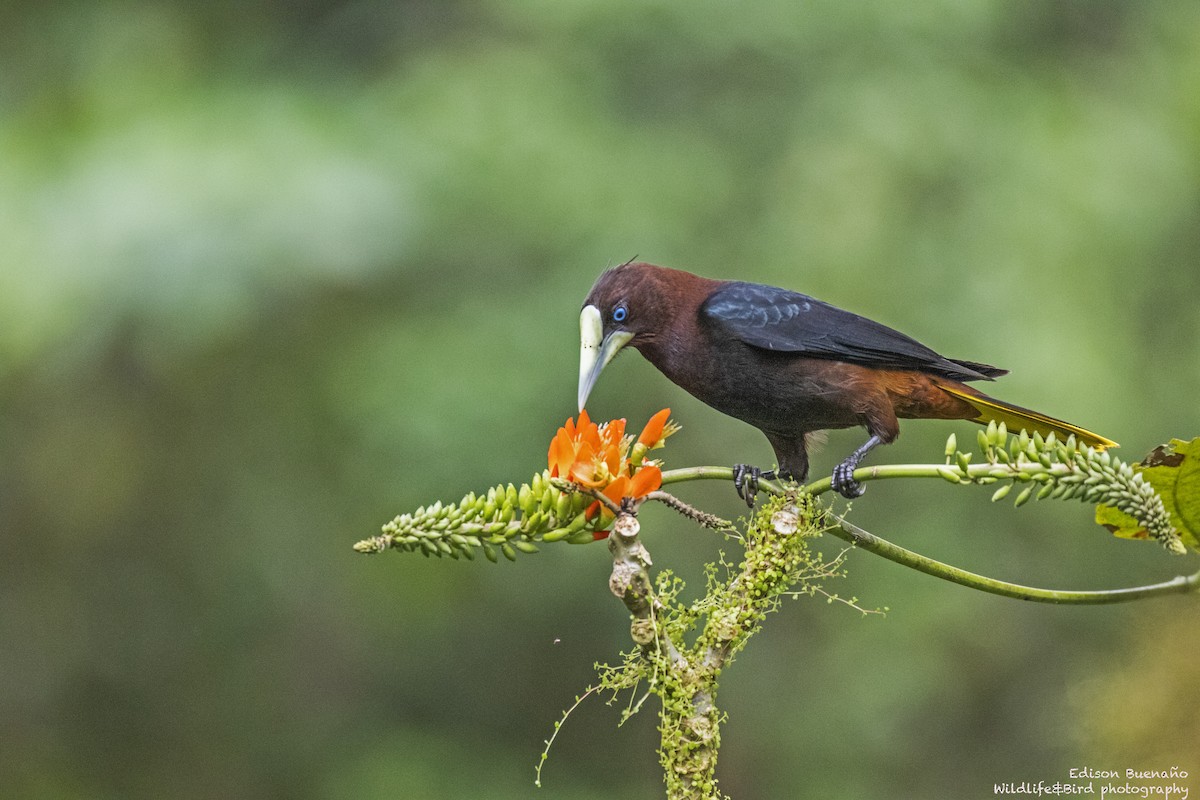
x: 745, y: 481
x: 843, y: 474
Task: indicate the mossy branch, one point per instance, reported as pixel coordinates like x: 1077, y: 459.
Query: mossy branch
x: 683, y: 674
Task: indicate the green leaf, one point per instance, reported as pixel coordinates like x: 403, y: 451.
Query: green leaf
x: 1173, y: 470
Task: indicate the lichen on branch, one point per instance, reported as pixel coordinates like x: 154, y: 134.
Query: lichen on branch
x: 681, y: 668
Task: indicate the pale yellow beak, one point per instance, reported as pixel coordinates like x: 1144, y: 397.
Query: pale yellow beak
x: 595, y: 349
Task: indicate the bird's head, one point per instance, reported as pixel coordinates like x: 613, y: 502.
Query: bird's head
x: 629, y: 304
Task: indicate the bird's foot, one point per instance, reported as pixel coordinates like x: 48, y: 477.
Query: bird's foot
x: 843, y: 480
x: 745, y: 481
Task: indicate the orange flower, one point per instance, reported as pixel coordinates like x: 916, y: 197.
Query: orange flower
x: 602, y: 457
x: 646, y: 480
x: 587, y: 453
x: 595, y: 455
x: 653, y: 434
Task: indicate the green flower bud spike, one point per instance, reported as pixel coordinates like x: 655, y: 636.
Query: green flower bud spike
x: 1066, y: 471
x: 512, y: 517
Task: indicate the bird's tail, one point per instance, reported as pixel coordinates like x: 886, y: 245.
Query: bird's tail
x: 1015, y: 417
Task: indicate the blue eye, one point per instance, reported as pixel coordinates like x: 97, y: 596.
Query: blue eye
x: 619, y: 314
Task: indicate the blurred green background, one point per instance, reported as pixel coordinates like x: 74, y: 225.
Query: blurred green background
x: 272, y: 273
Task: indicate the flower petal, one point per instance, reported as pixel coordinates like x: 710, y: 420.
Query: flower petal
x: 617, y: 489
x: 652, y: 433
x: 648, y: 479
x: 562, y: 454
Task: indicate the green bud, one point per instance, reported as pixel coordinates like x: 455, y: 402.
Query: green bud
x: 490, y: 552
x: 508, y: 551
x: 525, y: 499
x: 582, y: 537
x: 1002, y: 492
x: 525, y: 546
x: 964, y: 461
x: 578, y: 523
x: 951, y: 445
x: 984, y: 442
x: 1023, y: 497
x: 1045, y: 491
x: 949, y: 474
x: 562, y: 509
x: 556, y: 535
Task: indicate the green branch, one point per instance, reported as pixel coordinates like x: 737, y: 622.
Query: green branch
x: 893, y: 552
x: 1150, y: 500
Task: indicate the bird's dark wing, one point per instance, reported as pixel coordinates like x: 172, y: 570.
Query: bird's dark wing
x: 789, y: 322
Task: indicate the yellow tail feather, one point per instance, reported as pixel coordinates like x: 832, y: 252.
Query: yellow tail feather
x: 1016, y: 418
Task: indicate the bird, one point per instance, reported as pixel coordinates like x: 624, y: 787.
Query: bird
x: 787, y: 364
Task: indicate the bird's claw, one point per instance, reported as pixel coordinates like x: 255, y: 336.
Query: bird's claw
x: 745, y: 481
x: 843, y: 480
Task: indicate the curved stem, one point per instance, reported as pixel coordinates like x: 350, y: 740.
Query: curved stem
x: 893, y: 552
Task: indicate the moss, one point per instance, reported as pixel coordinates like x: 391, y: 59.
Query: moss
x: 777, y: 561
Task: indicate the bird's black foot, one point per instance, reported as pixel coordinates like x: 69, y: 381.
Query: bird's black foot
x: 843, y: 474
x: 745, y: 481
x: 843, y: 480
